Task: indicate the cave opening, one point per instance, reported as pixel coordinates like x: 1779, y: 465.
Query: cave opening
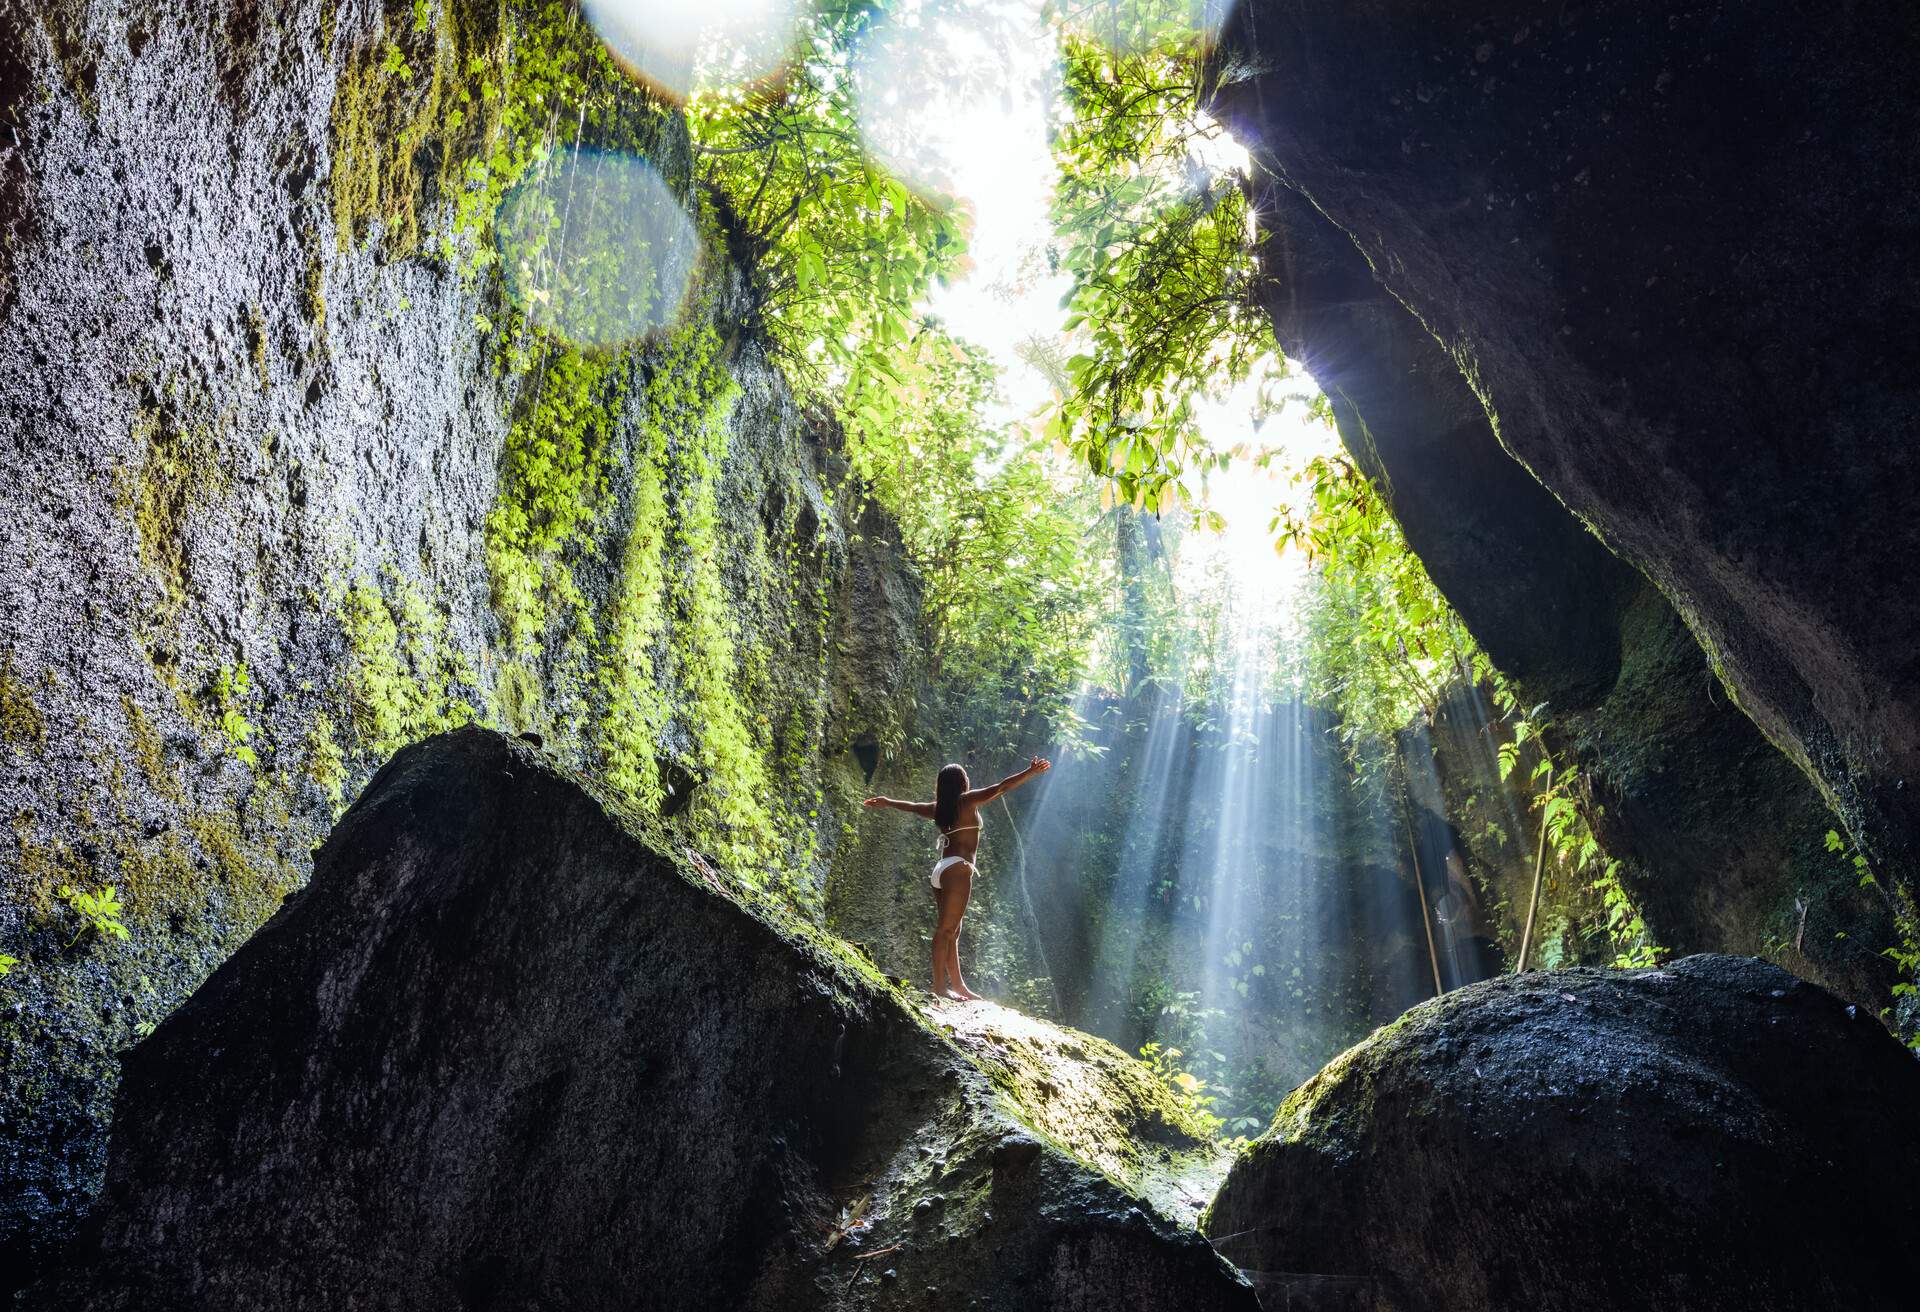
x: 512, y: 507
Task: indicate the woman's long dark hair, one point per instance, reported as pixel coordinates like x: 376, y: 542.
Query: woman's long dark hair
x: 946, y: 795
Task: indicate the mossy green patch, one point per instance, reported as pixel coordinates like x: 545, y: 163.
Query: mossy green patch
x: 553, y: 486
x: 21, y: 723
x: 149, y: 753
x: 405, y: 679
x: 410, y: 106
x: 257, y: 345
x: 457, y: 108
x: 326, y: 763
x: 1085, y: 1094
x: 44, y: 863
x: 180, y: 470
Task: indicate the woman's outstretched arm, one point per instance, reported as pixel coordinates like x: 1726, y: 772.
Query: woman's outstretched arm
x: 980, y: 796
x: 922, y: 809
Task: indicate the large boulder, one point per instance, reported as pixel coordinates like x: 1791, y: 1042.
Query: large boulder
x: 1714, y: 1134
x: 503, y: 1052
x: 1672, y: 250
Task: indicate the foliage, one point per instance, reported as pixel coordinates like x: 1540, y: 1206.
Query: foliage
x: 1379, y: 644
x: 7, y: 963
x: 99, y: 912
x: 553, y: 479
x: 1012, y: 596
x: 1563, y: 797
x: 1186, y: 1089
x: 405, y: 678
x: 232, y: 689
x: 1905, y: 955
x: 1155, y: 229
x: 840, y: 250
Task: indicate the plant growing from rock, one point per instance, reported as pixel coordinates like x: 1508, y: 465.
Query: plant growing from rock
x: 232, y: 689
x: 99, y: 912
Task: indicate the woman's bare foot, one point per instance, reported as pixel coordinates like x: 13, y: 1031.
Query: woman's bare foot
x: 966, y: 994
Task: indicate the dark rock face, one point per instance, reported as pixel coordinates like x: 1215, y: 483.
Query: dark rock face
x: 1715, y: 1134
x: 1673, y: 252
x: 1721, y: 834
x: 502, y: 1053
x: 253, y: 439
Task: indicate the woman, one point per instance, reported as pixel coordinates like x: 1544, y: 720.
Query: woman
x: 955, y: 812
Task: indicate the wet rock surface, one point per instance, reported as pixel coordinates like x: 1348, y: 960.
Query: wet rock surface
x: 1672, y: 252
x: 1714, y: 1134
x: 504, y: 1053
x: 1722, y: 836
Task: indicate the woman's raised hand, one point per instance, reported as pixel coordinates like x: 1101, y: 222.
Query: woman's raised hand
x: 1040, y: 763
x: 875, y: 801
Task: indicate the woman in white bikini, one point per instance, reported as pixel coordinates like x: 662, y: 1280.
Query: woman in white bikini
x: 955, y: 812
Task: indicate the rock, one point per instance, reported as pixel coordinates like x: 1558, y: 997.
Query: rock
x: 1720, y: 832
x: 179, y: 183
x: 503, y: 1053
x: 1700, y: 341
x: 1712, y: 1135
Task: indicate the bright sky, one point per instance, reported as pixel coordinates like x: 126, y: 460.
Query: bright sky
x: 958, y: 103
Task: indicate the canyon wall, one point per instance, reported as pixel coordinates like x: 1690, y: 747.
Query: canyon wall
x: 289, y: 483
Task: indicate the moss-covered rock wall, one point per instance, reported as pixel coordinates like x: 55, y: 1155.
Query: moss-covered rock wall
x: 290, y: 482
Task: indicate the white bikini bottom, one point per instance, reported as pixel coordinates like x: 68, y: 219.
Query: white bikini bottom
x: 943, y: 863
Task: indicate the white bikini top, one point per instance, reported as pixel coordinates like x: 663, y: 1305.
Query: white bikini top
x: 947, y: 836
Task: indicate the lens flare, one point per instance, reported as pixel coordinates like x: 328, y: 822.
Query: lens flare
x: 596, y: 248
x: 671, y: 45
x: 951, y: 101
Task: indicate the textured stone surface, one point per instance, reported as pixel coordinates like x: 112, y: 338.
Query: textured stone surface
x: 1713, y: 1135
x: 1672, y: 249
x: 502, y: 1052
x: 1722, y: 836
x: 249, y: 421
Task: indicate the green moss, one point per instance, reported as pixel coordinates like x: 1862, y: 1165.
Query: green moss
x: 637, y: 711
x: 457, y: 108
x: 148, y: 752
x: 313, y: 293
x: 731, y: 806
x: 21, y: 724
x: 410, y: 106
x: 220, y: 841
x: 257, y: 345
x: 180, y: 471
x: 405, y: 679
x: 553, y: 489
x: 326, y: 764
x: 76, y: 58
x: 44, y: 865
x: 1083, y: 1093
x: 517, y: 695
x: 155, y: 873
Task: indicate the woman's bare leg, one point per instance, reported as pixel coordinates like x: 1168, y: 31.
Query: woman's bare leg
x: 940, y: 982
x: 959, y: 887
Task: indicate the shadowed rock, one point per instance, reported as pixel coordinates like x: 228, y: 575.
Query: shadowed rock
x: 1671, y: 248
x: 503, y: 1053
x: 1715, y: 1134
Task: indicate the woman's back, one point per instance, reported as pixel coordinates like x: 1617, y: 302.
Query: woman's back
x: 963, y: 838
